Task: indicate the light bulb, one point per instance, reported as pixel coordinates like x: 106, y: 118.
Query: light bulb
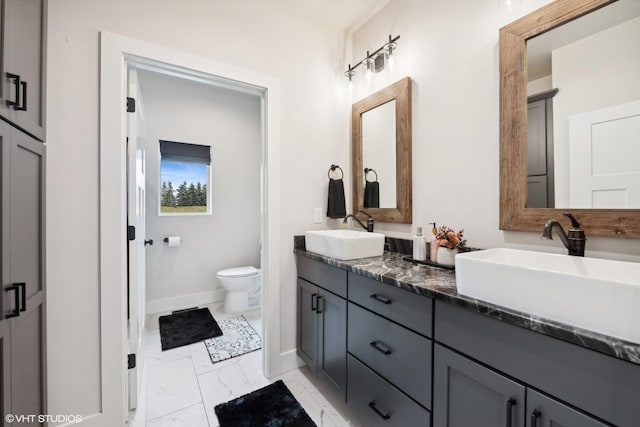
x: 368, y: 63
x: 390, y: 61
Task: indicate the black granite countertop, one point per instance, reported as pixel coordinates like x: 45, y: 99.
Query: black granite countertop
x: 440, y: 284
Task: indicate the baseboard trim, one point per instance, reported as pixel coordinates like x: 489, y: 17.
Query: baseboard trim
x: 184, y: 301
x: 289, y: 360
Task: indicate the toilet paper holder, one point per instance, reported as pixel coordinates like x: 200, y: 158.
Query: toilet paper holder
x: 172, y: 241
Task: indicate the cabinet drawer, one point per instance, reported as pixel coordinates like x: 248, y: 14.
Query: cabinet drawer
x: 407, y: 308
x: 378, y: 403
x: 400, y: 356
x: 326, y: 276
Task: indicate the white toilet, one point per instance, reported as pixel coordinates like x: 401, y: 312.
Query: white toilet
x: 243, y: 288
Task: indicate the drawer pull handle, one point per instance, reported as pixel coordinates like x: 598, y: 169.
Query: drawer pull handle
x: 16, y: 298
x: 381, y: 299
x: 319, y: 300
x: 314, y: 302
x: 535, y: 415
x: 23, y: 301
x: 16, y: 82
x: 380, y: 347
x: 24, y: 98
x: 382, y: 415
x: 510, y: 404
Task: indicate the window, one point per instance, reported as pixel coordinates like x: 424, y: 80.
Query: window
x: 185, y: 171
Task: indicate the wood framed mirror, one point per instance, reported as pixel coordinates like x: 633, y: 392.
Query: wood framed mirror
x: 514, y: 213
x: 381, y: 145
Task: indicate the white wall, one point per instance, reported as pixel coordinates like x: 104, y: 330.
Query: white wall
x: 583, y: 72
x: 263, y: 36
x: 230, y: 123
x: 450, y: 49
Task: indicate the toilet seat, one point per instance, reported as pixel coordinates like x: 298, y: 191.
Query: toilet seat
x: 238, y: 272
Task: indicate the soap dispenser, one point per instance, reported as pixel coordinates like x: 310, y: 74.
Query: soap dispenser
x: 419, y: 246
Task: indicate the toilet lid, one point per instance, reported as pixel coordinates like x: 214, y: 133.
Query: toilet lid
x: 238, y: 272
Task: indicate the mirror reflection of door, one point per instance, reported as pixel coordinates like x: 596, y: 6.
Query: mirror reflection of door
x: 594, y: 62
x: 379, y: 151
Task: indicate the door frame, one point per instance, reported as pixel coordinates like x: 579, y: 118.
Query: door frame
x: 115, y: 51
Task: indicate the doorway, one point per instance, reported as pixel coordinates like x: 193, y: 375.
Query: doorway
x: 117, y: 53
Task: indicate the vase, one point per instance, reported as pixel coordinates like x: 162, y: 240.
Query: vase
x: 446, y: 256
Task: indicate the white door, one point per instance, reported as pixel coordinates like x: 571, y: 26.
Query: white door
x: 135, y: 218
x: 604, y: 148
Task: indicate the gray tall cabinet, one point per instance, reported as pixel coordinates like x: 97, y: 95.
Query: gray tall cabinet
x: 22, y: 191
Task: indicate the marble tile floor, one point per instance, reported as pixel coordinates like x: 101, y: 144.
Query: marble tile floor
x: 180, y: 387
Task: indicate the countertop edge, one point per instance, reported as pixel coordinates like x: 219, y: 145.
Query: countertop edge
x: 439, y: 284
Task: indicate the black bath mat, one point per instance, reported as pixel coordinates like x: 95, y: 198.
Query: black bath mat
x: 271, y: 406
x: 185, y: 327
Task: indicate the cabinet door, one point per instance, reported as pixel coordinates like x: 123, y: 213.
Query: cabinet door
x: 23, y: 268
x: 332, y: 340
x: 308, y: 323
x: 537, y: 139
x: 542, y: 411
x: 24, y: 33
x: 468, y: 394
x: 5, y: 391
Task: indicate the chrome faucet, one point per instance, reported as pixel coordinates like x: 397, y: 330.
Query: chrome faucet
x: 574, y: 242
x: 368, y: 227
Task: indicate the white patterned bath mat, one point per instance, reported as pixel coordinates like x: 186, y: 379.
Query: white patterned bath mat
x: 238, y: 338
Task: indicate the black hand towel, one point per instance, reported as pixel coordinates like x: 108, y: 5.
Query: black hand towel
x: 336, y: 207
x: 372, y: 194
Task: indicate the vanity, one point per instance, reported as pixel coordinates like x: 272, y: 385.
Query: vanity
x: 402, y: 348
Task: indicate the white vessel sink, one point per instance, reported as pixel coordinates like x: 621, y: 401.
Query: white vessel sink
x: 344, y: 244
x: 595, y: 294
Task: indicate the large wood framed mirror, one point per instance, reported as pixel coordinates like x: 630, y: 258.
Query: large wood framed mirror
x: 596, y: 148
x: 381, y: 154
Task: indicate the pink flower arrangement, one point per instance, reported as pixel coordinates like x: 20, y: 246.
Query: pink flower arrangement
x: 448, y: 238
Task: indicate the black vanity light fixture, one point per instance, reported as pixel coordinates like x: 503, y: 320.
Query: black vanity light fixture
x: 375, y: 61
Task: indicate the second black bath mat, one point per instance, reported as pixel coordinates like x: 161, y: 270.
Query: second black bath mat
x: 270, y: 406
x: 185, y: 327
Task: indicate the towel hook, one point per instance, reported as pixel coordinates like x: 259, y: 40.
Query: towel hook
x: 367, y: 170
x: 333, y: 168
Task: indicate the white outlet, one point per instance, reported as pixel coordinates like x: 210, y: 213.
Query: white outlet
x: 317, y: 215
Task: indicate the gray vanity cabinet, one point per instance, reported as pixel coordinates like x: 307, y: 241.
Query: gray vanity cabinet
x: 566, y: 384
x: 23, y: 33
x: 468, y: 394
x: 22, y: 300
x: 322, y: 322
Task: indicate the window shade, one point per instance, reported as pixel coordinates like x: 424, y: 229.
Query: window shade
x: 186, y: 153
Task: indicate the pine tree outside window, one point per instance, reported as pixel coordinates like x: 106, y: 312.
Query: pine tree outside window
x: 185, y: 177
